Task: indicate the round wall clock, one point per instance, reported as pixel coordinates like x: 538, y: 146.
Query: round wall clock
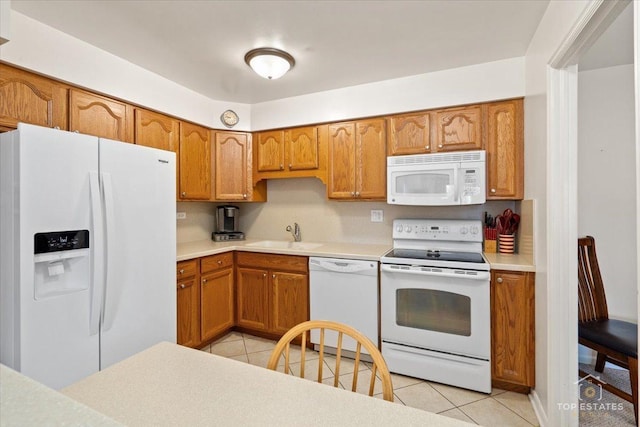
x: 229, y: 118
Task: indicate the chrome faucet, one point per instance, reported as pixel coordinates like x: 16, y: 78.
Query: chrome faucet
x: 295, y: 231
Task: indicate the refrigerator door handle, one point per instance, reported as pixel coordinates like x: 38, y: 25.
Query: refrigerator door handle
x: 97, y: 279
x: 112, y: 282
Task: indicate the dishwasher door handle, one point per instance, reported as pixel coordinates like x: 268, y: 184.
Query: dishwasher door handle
x: 343, y: 266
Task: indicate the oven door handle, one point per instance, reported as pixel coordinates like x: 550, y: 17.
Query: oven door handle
x: 439, y: 272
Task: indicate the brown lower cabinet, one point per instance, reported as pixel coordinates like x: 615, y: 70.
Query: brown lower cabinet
x: 188, y: 300
x: 205, y: 299
x: 265, y: 294
x: 272, y: 292
x: 512, y: 330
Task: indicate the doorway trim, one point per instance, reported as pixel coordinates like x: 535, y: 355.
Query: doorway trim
x: 562, y: 209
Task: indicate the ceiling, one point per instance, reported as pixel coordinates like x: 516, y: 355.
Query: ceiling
x: 201, y: 44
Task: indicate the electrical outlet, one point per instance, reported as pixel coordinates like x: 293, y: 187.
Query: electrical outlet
x: 377, y: 215
x: 181, y: 215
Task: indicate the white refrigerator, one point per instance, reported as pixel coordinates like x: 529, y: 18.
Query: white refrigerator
x: 87, y: 252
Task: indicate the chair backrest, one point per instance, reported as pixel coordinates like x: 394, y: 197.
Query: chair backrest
x: 592, y: 302
x: 379, y: 365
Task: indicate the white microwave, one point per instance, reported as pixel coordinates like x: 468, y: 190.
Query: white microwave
x: 441, y: 179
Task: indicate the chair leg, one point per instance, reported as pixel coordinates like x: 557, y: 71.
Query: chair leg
x: 601, y: 359
x: 633, y: 373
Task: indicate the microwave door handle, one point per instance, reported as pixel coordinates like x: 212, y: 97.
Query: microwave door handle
x: 455, y: 182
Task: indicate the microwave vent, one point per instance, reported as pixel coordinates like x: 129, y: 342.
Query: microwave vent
x: 421, y: 159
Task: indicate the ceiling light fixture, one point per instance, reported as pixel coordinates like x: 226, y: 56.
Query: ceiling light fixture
x: 269, y: 63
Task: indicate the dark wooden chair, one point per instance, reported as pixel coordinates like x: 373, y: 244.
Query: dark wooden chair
x: 614, y: 340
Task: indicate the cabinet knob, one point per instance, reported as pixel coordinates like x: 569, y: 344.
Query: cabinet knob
x: 182, y: 286
x: 181, y: 271
x: 426, y: 147
x: 219, y: 262
x: 244, y: 196
x: 204, y: 281
x: 273, y: 276
x: 264, y: 274
x: 57, y: 127
x: 439, y: 145
x: 353, y: 193
x: 183, y: 194
x: 289, y: 165
x: 493, y: 190
x: 499, y: 280
x: 357, y: 194
x: 281, y: 166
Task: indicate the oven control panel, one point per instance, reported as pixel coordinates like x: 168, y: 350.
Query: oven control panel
x: 438, y: 229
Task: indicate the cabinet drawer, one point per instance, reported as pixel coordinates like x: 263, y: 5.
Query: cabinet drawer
x: 186, y: 269
x: 215, y: 262
x: 273, y: 261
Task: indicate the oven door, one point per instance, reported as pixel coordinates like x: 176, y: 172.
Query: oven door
x: 438, y: 309
x: 424, y: 185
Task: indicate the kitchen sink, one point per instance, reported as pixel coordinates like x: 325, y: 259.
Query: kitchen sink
x: 283, y: 244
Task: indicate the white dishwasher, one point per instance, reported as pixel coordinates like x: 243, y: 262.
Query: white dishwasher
x: 345, y: 291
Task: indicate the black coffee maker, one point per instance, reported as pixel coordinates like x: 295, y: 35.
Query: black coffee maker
x: 227, y: 221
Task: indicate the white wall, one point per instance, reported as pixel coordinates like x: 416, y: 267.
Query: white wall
x: 606, y: 180
x: 476, y: 83
x: 43, y: 49
x: 304, y: 200
x: 556, y: 23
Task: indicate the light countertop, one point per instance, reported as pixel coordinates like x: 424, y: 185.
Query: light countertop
x: 512, y: 262
x: 369, y: 252
x: 200, y: 248
x: 170, y: 385
x: 25, y: 402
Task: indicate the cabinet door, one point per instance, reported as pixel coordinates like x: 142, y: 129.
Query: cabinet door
x: 302, y: 145
x: 27, y: 98
x: 290, y: 300
x: 252, y: 298
x: 512, y: 327
x: 188, y: 312
x: 233, y: 170
x: 99, y: 116
x: 505, y: 150
x: 216, y: 303
x: 270, y: 151
x: 409, y: 134
x: 342, y: 163
x: 371, y: 160
x: 156, y: 130
x: 459, y: 129
x: 195, y: 162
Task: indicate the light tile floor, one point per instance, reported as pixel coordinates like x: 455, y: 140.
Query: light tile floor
x: 501, y: 408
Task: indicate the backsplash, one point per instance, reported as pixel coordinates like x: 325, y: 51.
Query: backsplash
x: 303, y: 200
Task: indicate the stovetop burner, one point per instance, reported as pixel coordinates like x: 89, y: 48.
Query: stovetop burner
x: 420, y: 254
x: 439, y: 243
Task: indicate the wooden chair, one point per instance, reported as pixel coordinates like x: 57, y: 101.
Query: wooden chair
x: 302, y: 329
x: 614, y: 340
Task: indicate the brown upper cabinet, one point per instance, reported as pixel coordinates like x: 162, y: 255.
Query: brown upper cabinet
x: 28, y: 98
x: 97, y: 115
x: 505, y: 150
x: 357, y: 160
x: 195, y: 162
x: 156, y: 130
x: 409, y: 134
x: 233, y: 168
x: 291, y: 153
x: 459, y: 129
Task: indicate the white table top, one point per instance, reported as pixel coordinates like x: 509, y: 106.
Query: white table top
x: 173, y: 385
x: 25, y: 402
